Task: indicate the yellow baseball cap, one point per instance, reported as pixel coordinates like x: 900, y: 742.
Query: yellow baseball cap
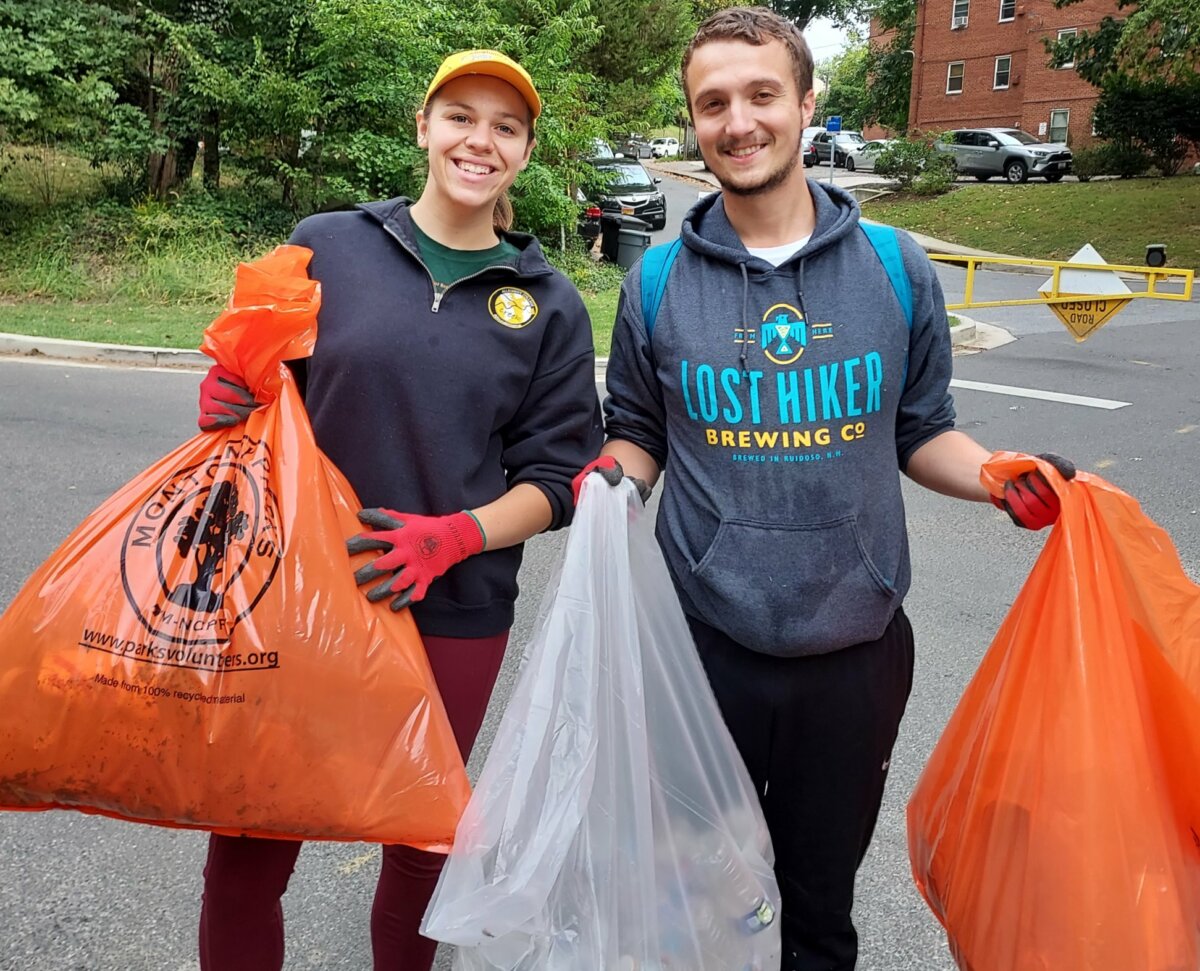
x: 491, y: 64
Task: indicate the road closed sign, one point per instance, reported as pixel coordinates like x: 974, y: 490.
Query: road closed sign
x: 1098, y: 295
x: 1087, y: 314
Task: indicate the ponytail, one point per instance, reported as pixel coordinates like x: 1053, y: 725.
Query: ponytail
x: 502, y: 215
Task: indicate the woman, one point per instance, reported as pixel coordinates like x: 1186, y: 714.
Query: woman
x: 453, y: 381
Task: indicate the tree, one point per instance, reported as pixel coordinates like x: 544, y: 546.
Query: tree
x: 803, y: 12
x: 846, y: 78
x: 1147, y: 68
x: 60, y: 69
x: 890, y: 65
x: 635, y: 58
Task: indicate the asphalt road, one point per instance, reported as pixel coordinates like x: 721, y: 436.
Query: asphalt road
x: 79, y: 892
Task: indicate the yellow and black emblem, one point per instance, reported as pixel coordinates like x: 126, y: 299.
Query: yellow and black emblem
x: 512, y: 307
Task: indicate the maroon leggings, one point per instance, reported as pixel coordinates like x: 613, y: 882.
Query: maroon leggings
x: 241, y: 916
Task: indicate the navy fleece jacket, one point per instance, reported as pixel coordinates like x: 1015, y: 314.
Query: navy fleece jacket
x: 432, y: 406
x: 784, y: 403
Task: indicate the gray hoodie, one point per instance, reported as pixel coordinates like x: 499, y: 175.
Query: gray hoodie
x: 784, y: 402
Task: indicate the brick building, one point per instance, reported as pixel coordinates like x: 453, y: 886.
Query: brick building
x: 983, y: 63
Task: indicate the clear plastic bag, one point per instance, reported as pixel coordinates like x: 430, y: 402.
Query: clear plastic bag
x: 614, y: 826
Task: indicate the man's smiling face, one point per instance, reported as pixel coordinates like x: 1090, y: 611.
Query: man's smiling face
x: 748, y: 114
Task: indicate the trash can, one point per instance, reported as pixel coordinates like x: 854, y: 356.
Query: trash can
x: 610, y: 235
x: 632, y: 239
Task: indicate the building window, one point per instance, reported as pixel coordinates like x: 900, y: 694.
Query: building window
x: 1008, y: 10
x: 1094, y: 132
x: 1068, y: 34
x: 958, y: 15
x: 1003, y: 70
x: 1059, y: 118
x: 954, y: 77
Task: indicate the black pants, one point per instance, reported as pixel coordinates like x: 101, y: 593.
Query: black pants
x: 816, y: 734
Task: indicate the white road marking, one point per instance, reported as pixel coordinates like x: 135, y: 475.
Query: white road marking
x: 1067, y: 399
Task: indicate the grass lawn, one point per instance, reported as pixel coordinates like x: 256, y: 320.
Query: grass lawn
x: 602, y: 308
x: 180, y: 325
x: 1037, y: 221
x: 121, y: 322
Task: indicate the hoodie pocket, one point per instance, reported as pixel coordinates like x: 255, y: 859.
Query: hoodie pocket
x: 791, y: 589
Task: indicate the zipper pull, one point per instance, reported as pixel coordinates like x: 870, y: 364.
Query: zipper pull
x: 437, y: 301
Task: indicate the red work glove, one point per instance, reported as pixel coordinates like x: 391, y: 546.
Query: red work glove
x: 417, y: 550
x: 610, y: 470
x: 1029, y: 500
x: 225, y: 400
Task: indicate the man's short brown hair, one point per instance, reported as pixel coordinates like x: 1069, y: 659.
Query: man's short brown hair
x: 757, y: 26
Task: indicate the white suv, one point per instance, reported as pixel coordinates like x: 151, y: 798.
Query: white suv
x: 662, y: 147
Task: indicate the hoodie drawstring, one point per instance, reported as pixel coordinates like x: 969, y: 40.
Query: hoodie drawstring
x: 745, y: 318
x: 800, y: 291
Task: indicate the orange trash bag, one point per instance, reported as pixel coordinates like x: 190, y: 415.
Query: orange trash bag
x: 197, y: 654
x: 1056, y: 825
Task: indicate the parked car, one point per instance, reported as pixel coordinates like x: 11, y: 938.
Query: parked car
x: 625, y: 187
x: 1010, y: 152
x: 588, y: 224
x: 839, y: 144
x: 863, y: 157
x: 808, y: 154
x: 662, y: 147
x: 601, y: 149
x: 635, y: 146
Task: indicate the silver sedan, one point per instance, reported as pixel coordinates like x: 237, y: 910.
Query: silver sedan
x: 863, y: 157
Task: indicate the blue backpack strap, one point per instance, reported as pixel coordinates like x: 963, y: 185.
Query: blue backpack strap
x: 887, y: 247
x: 656, y: 267
x: 657, y: 260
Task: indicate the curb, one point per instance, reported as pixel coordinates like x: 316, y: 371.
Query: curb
x: 91, y: 352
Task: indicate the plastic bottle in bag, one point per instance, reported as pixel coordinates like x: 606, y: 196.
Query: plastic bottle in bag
x: 732, y: 899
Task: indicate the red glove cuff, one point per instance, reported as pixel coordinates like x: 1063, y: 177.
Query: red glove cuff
x: 425, y: 547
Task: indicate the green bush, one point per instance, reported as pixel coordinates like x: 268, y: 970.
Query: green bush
x: 1087, y: 163
x: 917, y: 164
x: 588, y: 275
x: 933, y: 181
x: 184, y: 251
x: 541, y: 204
x: 1125, y: 161
x: 1110, y: 158
x: 903, y: 160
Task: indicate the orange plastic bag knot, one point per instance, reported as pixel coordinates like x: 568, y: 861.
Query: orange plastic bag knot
x: 271, y: 318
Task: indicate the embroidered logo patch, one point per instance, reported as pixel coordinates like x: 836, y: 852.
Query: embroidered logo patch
x: 512, y: 307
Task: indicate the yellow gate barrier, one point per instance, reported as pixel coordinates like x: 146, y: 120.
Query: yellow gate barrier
x: 1082, y: 313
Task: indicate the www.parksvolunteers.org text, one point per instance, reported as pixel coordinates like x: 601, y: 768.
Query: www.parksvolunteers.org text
x: 182, y: 656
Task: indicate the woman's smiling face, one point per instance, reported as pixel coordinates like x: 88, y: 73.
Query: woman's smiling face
x: 478, y: 131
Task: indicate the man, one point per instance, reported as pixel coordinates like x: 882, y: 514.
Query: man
x: 787, y: 389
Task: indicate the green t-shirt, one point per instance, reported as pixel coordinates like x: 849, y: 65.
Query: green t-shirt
x: 447, y: 266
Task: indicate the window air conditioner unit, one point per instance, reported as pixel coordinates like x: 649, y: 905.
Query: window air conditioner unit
x: 958, y: 23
